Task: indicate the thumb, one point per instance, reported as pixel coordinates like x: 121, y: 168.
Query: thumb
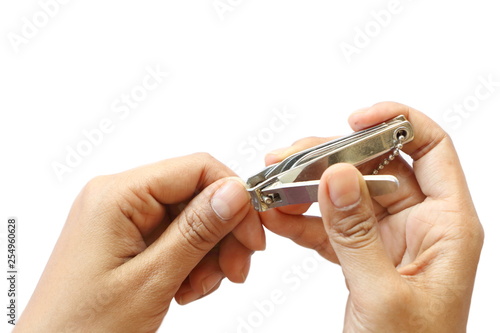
x: 208, y: 217
x: 351, y: 225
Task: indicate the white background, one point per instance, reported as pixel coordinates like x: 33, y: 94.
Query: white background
x: 227, y: 73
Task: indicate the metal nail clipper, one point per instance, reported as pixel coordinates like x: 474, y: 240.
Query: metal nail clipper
x: 295, y: 180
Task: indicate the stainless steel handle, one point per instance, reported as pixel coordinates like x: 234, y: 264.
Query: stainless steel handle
x: 295, y: 179
x: 307, y: 192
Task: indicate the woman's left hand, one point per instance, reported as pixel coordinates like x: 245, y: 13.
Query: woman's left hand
x: 134, y: 241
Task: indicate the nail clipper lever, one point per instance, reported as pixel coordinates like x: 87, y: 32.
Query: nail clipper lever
x: 295, y: 179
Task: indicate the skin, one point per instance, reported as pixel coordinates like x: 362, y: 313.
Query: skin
x: 136, y: 240
x: 409, y: 258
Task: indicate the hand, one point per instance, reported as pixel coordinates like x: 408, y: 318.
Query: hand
x: 410, y: 257
x: 135, y: 240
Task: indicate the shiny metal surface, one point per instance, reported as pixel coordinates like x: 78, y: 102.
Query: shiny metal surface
x: 295, y: 179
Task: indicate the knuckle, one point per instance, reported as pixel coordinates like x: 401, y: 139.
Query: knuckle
x: 354, y: 230
x: 393, y: 301
x: 96, y: 183
x: 204, y: 156
x: 212, y: 167
x: 397, y: 298
x: 96, y: 187
x: 198, y: 229
x: 324, y: 248
x: 478, y: 235
x: 480, y: 232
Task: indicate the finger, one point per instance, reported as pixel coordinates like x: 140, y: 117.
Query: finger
x: 437, y: 167
x: 425, y: 130
x: 210, y: 216
x: 280, y: 154
x: 276, y: 155
x: 352, y: 228
x: 297, y: 209
x: 250, y: 232
x: 408, y: 193
x: 202, y: 279
x: 145, y: 190
x: 207, y: 273
x: 306, y: 231
x: 234, y: 259
x: 186, y: 294
x: 393, y: 230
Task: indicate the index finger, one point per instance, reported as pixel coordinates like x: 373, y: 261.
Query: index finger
x: 174, y: 181
x: 142, y: 194
x: 178, y: 179
x: 280, y: 154
x: 436, y: 162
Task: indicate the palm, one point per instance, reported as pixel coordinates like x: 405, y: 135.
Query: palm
x: 407, y: 234
x: 401, y: 234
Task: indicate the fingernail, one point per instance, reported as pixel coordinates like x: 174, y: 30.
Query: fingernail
x: 229, y: 199
x: 245, y: 271
x: 279, y: 151
x: 188, y: 297
x: 354, y: 117
x: 345, y: 192
x: 210, y: 282
x: 275, y: 156
x: 361, y: 111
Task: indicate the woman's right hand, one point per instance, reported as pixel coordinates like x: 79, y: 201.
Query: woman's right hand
x: 409, y: 257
